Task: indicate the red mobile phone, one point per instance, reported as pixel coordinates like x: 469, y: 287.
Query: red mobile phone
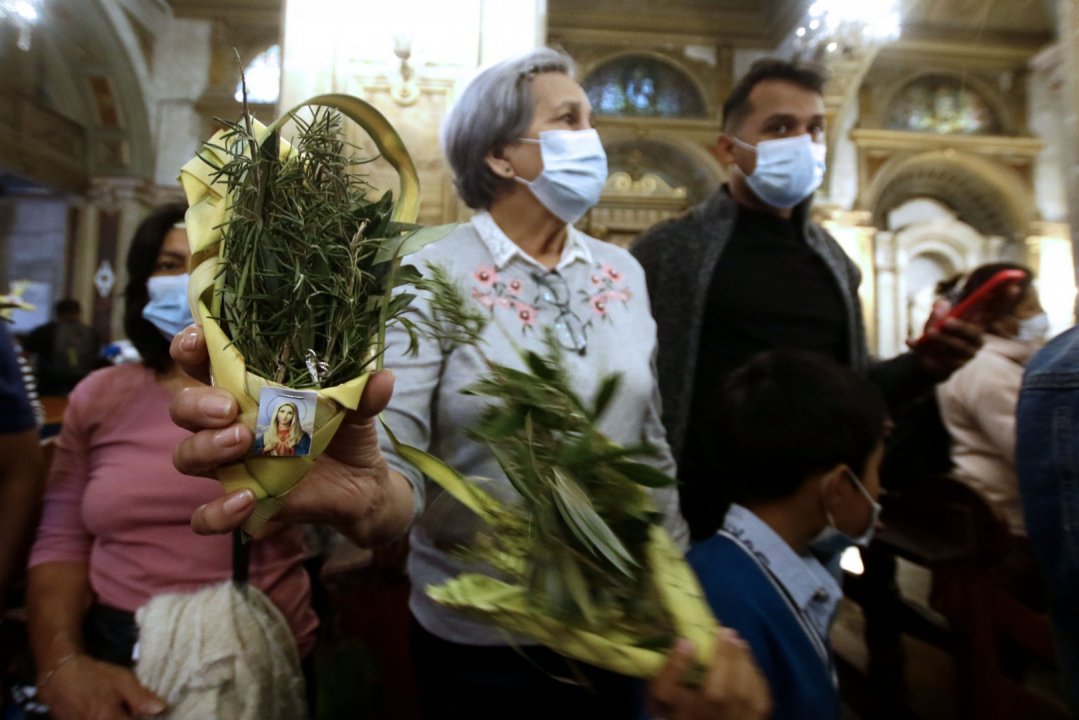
x: 978, y: 300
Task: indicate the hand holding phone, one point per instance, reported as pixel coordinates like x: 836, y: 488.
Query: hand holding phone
x: 985, y: 303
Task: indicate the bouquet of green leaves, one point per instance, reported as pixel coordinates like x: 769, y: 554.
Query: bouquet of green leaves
x: 584, y: 564
x: 294, y: 267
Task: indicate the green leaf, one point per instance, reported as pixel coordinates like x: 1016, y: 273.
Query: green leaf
x: 392, y: 248
x: 465, y: 491
x: 578, y: 588
x: 513, y: 474
x: 583, y: 455
x: 498, y: 425
x: 642, y: 474
x: 407, y: 275
x: 605, y: 394
x: 399, y: 304
x: 576, y: 509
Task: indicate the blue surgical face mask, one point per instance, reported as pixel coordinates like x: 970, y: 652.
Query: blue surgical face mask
x: 833, y: 540
x: 168, y: 309
x: 788, y: 169
x: 574, y: 170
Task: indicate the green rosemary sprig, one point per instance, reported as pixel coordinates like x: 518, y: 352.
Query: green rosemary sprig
x: 306, y: 285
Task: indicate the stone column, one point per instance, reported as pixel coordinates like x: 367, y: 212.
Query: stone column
x: 889, y: 333
x: 1068, y: 30
x: 846, y: 72
x: 181, y: 70
x: 115, y: 207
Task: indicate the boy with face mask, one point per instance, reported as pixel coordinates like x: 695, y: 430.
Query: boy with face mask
x: 746, y: 271
x: 801, y: 439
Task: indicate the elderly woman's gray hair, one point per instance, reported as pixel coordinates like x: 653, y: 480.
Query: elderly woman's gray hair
x: 492, y: 112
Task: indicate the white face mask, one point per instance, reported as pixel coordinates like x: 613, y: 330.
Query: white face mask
x: 1033, y: 329
x: 574, y: 170
x: 788, y: 169
x: 168, y: 309
x: 834, y: 539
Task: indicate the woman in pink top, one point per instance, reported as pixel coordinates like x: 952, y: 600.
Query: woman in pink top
x: 116, y: 529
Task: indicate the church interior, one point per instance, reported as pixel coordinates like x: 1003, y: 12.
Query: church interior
x: 952, y: 132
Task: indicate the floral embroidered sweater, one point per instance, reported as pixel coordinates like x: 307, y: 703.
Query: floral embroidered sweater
x: 597, y: 304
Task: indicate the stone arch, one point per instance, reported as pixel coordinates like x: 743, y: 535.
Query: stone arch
x: 992, y: 198
x: 83, y: 79
x: 911, y: 258
x: 129, y: 69
x: 679, y: 68
x: 1001, y: 107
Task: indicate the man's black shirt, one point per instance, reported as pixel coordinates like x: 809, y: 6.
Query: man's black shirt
x: 770, y: 290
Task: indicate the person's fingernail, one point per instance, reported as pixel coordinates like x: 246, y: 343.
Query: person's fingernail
x: 189, y: 341
x: 240, y: 501
x: 215, y: 407
x: 228, y: 437
x: 152, y: 707
x: 683, y: 646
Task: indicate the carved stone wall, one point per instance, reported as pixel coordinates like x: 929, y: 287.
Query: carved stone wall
x: 418, y: 123
x: 630, y: 205
x: 987, y: 181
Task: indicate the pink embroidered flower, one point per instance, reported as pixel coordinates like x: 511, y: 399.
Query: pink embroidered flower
x: 526, y: 314
x: 486, y: 275
x: 505, y: 302
x: 515, y: 286
x: 611, y: 272
x: 484, y: 299
x: 599, y: 304
x: 597, y: 279
x: 622, y: 295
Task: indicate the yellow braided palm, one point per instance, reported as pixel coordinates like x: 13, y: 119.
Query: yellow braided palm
x: 271, y: 479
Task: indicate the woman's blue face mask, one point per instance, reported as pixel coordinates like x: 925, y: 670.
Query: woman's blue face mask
x: 168, y: 309
x: 574, y: 170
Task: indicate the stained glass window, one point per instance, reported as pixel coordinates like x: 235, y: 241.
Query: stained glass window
x: 639, y: 85
x: 941, y: 104
x: 263, y: 76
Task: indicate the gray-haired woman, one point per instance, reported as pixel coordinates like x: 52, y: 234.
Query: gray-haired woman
x: 523, y: 154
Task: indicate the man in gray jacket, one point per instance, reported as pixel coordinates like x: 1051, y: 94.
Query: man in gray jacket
x: 746, y: 271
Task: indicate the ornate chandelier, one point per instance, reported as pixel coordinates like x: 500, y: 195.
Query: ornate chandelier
x: 23, y: 14
x: 847, y: 26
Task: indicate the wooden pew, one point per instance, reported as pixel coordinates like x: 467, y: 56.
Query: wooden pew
x: 945, y: 526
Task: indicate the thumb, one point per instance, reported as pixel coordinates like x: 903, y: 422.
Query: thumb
x: 356, y: 441
x: 139, y: 698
